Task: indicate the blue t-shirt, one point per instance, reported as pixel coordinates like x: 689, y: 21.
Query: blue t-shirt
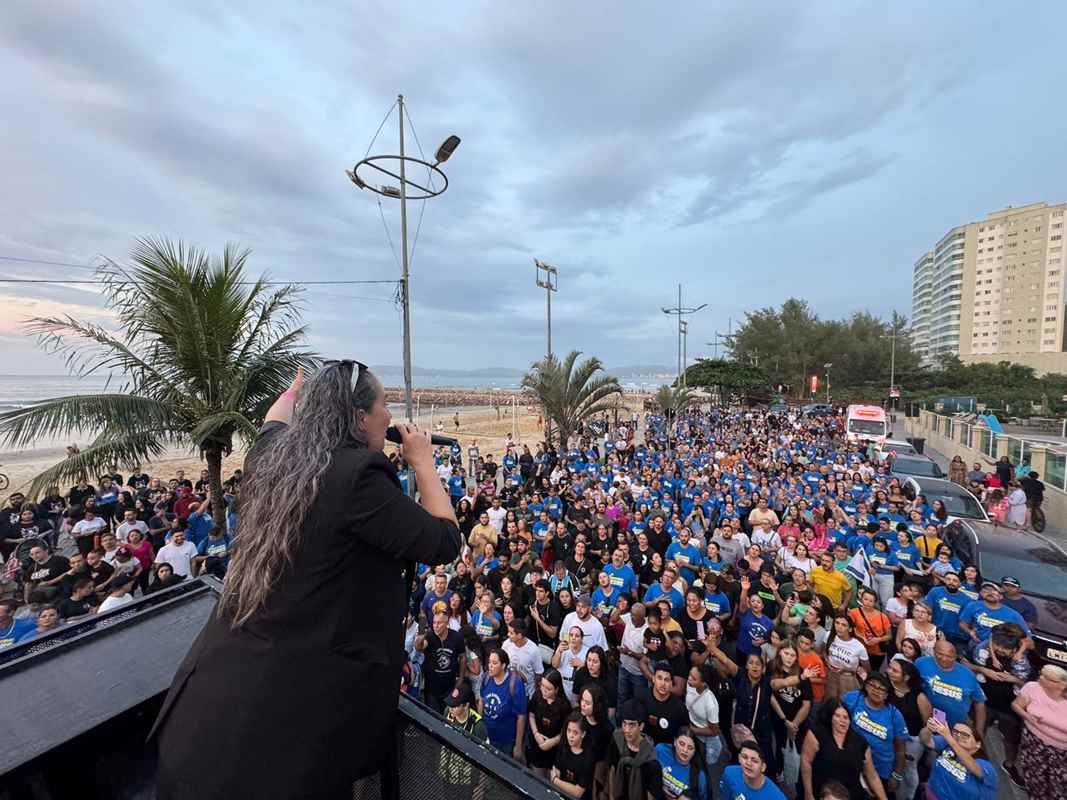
x: 456, y: 486
x: 686, y: 558
x: 952, y: 691
x: 717, y: 603
x: 483, y: 626
x: 431, y: 604
x: 18, y: 629
x: 947, y: 608
x: 602, y: 602
x: 655, y: 592
x: 880, y: 727
x: 733, y: 787
x: 503, y: 705
x: 198, y: 527
x: 908, y: 556
x: 984, y: 619
x: 676, y: 776
x: 950, y: 780
x: 215, y: 548
x: 751, y: 629
x: 622, y: 578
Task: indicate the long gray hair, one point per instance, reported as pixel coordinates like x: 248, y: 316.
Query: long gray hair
x: 283, y: 483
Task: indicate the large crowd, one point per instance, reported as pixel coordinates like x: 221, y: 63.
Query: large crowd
x: 666, y: 609
x: 731, y: 604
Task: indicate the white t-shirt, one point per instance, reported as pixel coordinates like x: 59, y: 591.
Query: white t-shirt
x: 633, y: 638
x: 592, y: 630
x: 179, y: 557
x: 122, y: 533
x: 86, y: 526
x: 527, y: 661
x: 567, y: 668
x: 703, y: 708
x: 845, y: 655
x: 497, y: 517
x: 111, y: 602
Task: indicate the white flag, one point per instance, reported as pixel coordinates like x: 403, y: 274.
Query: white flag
x: 859, y: 567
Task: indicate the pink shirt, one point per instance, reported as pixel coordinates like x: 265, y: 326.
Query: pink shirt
x: 1047, y: 709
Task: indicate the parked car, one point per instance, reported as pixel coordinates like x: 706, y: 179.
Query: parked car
x: 959, y: 502
x: 920, y: 466
x: 818, y: 410
x: 894, y: 447
x: 779, y: 408
x: 1039, y: 564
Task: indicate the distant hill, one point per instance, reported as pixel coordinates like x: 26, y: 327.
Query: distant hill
x: 640, y: 369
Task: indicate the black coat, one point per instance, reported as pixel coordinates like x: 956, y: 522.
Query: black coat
x: 300, y: 701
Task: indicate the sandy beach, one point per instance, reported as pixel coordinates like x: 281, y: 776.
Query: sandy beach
x: 486, y: 426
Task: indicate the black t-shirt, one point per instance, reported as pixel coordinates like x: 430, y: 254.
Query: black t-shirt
x: 74, y: 608
x: 102, y: 573
x: 49, y: 570
x: 77, y: 496
x: 550, y: 717
x: 551, y: 615
x: 38, y: 529
x: 442, y: 661
x: 581, y: 569
x: 658, y: 541
x: 665, y: 717
x: 52, y: 506
x: 790, y: 698
x: 576, y: 768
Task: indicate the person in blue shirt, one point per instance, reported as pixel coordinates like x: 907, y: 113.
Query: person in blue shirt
x: 715, y: 600
x: 686, y: 555
x: 882, y: 725
x: 747, y: 779
x: 906, y: 553
x: 213, y: 553
x: 503, y: 704
x: 11, y: 629
x: 199, y: 524
x: 1013, y: 598
x: 980, y: 616
x: 681, y: 769
x: 621, y: 573
x: 457, y: 485
x: 957, y: 773
x: 951, y: 687
x: 755, y: 627
x: 948, y: 603
x: 604, y: 596
x: 665, y: 588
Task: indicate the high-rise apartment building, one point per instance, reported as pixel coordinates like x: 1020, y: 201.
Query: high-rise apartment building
x: 994, y: 291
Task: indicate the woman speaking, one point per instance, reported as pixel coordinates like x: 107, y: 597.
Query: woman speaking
x: 290, y: 691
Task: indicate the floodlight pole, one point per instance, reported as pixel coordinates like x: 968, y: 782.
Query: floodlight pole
x: 405, y: 275
x: 681, y: 313
x: 549, y: 283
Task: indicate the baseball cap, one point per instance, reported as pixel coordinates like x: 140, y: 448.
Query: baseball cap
x: 990, y: 584
x: 583, y: 599
x: 1009, y: 580
x: 459, y: 696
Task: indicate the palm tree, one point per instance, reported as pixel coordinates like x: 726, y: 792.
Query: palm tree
x: 674, y: 400
x: 570, y: 394
x: 199, y: 354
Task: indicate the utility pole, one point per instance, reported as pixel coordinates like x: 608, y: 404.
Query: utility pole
x: 827, y: 366
x: 892, y: 368
x: 685, y: 344
x: 681, y: 312
x: 547, y: 278
x: 405, y: 276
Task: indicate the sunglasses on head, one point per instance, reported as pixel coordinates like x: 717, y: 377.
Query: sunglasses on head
x: 357, y: 367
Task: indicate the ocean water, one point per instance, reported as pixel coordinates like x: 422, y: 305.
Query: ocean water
x: 17, y: 391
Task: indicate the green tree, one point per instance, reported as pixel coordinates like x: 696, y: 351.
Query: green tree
x: 201, y: 354
x: 570, y: 392
x: 674, y: 399
x: 727, y: 377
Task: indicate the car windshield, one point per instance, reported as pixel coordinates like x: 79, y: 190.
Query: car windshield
x: 901, y: 449
x: 866, y: 426
x: 1040, y: 569
x: 958, y: 504
x: 922, y: 467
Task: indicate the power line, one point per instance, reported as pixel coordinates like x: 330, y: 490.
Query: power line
x: 49, y: 263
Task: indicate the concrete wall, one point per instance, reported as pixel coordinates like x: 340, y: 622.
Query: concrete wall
x: 1042, y: 363
x: 934, y: 428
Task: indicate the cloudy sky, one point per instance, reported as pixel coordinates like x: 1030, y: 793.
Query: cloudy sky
x: 749, y: 151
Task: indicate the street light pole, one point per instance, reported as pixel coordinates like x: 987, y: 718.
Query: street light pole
x: 402, y: 193
x: 827, y: 366
x: 405, y: 275
x: 547, y: 278
x: 681, y: 313
x: 892, y: 368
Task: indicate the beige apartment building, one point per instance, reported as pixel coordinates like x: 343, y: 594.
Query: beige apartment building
x: 994, y: 291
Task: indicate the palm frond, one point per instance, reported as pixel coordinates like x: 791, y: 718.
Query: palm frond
x: 62, y: 416
x: 125, y: 450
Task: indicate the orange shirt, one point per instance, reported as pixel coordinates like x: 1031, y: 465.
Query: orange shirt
x: 871, y: 625
x: 814, y: 661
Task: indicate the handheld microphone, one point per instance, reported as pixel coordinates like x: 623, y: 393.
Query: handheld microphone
x: 436, y: 439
